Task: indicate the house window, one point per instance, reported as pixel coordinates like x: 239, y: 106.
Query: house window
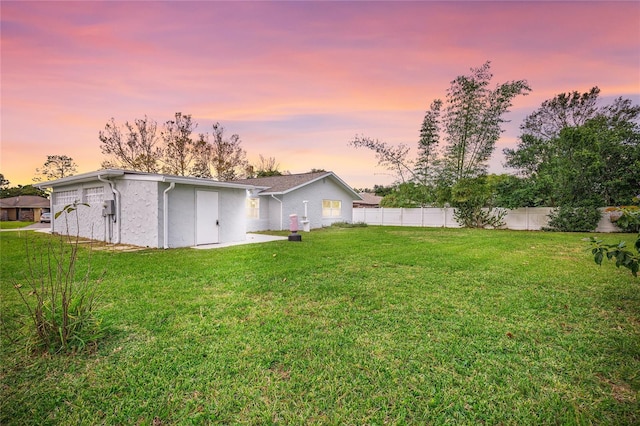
x: 94, y: 195
x: 331, y: 208
x: 65, y: 197
x: 253, y: 208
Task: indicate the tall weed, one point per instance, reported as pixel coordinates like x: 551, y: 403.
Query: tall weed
x: 59, y: 293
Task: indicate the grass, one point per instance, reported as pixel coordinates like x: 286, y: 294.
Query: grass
x: 365, y: 325
x: 14, y: 224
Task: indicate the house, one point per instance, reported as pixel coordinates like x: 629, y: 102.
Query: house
x: 26, y: 208
x: 369, y: 200
x: 317, y: 198
x: 149, y: 210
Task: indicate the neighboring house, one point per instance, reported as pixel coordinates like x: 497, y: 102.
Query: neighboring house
x: 149, y: 210
x: 27, y: 208
x: 319, y: 199
x: 369, y: 200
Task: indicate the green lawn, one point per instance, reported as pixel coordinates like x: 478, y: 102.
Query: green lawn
x: 14, y: 224
x: 375, y: 325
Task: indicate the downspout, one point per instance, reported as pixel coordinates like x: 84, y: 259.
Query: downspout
x: 165, y: 215
x: 280, y: 201
x: 116, y: 218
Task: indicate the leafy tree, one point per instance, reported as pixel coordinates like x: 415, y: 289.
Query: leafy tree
x: 16, y: 191
x: 578, y: 154
x: 408, y: 195
x: 133, y: 147
x: 468, y: 121
x: 183, y: 155
x: 472, y: 120
x: 56, y: 167
x: 4, y: 183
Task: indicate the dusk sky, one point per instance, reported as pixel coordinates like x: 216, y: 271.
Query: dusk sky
x: 295, y: 80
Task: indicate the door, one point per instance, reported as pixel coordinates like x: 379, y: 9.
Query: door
x: 206, y: 217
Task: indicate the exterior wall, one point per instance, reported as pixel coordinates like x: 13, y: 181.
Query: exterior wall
x: 262, y: 222
x: 314, y: 193
x: 84, y: 221
x: 138, y: 212
x: 232, y: 214
x: 273, y: 217
x: 182, y: 214
x: 140, y: 215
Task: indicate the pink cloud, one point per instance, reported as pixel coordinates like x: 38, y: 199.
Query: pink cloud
x: 364, y: 67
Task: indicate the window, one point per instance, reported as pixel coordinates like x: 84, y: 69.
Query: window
x: 331, y: 208
x: 65, y: 197
x: 94, y: 195
x: 253, y: 208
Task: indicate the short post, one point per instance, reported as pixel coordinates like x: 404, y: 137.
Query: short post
x: 293, y: 227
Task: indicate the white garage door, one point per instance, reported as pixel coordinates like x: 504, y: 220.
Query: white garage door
x: 206, y: 217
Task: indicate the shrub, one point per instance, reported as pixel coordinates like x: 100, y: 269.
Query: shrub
x: 627, y: 218
x: 574, y: 219
x: 349, y: 225
x: 60, y: 297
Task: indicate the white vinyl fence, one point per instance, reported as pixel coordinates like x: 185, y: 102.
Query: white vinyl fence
x: 525, y: 219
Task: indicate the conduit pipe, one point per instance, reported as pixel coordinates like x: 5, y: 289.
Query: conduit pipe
x: 280, y: 201
x: 116, y: 218
x: 165, y: 215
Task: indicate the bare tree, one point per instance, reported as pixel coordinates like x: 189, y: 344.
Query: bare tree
x: 181, y: 151
x: 227, y: 157
x: 134, y: 147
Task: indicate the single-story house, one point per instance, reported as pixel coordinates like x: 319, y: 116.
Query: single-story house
x: 149, y: 210
x: 317, y: 198
x: 369, y: 200
x: 26, y: 208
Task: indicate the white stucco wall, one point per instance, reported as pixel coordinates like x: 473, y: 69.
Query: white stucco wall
x: 84, y: 221
x: 292, y: 203
x: 182, y: 214
x: 314, y: 193
x: 138, y: 213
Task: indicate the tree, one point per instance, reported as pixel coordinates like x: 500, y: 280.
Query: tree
x: 468, y: 121
x: 472, y: 119
x: 393, y: 158
x: 4, y: 183
x: 56, y: 167
x: 227, y: 157
x: 16, y: 191
x: 134, y: 147
x: 181, y: 151
x: 265, y: 167
x: 576, y: 154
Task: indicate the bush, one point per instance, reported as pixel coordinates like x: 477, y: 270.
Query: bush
x: 574, y: 219
x: 349, y: 225
x: 627, y: 218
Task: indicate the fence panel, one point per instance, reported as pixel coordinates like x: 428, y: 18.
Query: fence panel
x: 525, y: 219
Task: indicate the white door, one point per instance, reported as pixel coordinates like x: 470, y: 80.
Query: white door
x: 206, y: 217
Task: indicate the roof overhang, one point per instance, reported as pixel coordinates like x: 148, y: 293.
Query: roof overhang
x: 134, y: 175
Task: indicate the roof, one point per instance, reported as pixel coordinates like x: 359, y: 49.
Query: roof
x: 283, y: 184
x: 130, y: 174
x: 24, y: 201
x: 369, y: 199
